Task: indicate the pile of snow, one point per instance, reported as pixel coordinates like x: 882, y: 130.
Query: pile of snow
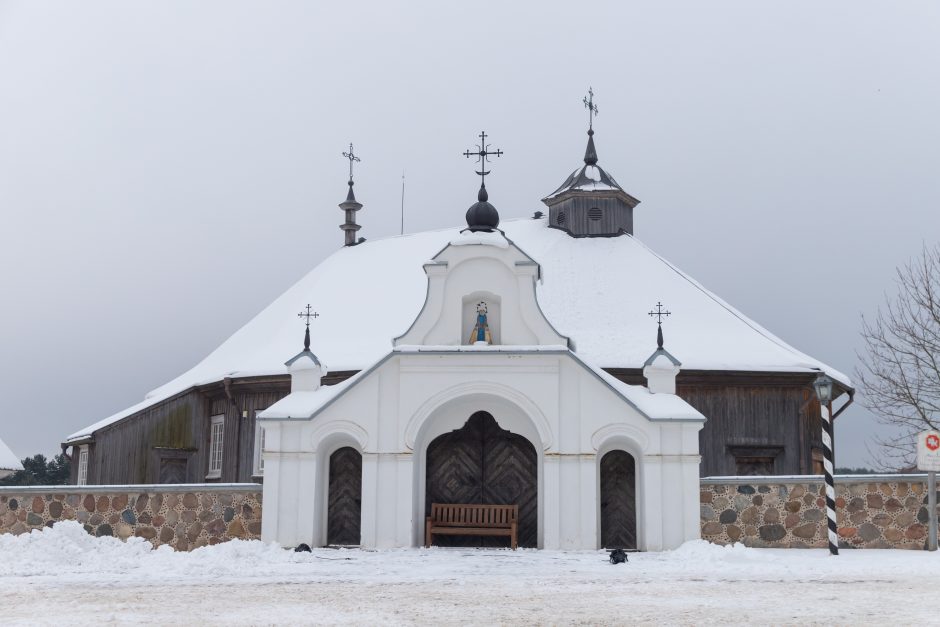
x: 67, y: 548
x: 67, y: 551
x: 700, y: 551
x: 65, y: 572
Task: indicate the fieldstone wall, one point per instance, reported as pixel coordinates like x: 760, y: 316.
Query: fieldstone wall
x: 873, y: 511
x: 182, y: 516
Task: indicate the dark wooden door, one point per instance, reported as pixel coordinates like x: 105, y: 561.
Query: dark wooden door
x: 618, y: 500
x: 344, y: 509
x: 481, y: 463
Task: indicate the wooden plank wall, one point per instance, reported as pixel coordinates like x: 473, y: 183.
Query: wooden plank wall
x: 615, y: 216
x: 238, y: 452
x: 743, y: 409
x: 749, y: 409
x: 124, y: 452
x: 746, y: 416
x: 129, y: 450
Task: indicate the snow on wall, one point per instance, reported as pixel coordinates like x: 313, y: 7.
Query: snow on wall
x: 182, y: 516
x: 594, y: 290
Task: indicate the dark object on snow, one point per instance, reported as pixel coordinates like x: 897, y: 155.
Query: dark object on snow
x: 618, y: 556
x: 302, y: 548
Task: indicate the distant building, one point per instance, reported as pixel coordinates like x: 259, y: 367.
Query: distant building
x: 9, y: 463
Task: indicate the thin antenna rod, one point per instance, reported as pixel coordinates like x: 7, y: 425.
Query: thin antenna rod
x: 402, y: 202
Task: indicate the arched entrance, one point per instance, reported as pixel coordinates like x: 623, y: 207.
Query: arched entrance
x: 344, y: 497
x: 482, y: 463
x: 618, y: 500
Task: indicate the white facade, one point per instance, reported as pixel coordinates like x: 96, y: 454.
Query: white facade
x: 433, y: 380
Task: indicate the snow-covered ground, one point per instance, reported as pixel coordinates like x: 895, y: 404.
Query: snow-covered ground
x: 63, y: 575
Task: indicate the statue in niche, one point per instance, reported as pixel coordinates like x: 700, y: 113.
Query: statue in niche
x: 481, y: 331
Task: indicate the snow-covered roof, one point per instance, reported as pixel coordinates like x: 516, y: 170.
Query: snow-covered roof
x: 595, y: 291
x: 307, y: 404
x: 587, y: 178
x: 8, y: 461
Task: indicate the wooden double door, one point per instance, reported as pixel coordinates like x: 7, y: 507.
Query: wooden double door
x: 482, y: 463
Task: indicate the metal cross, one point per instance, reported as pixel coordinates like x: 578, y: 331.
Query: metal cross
x: 352, y: 157
x: 591, y: 107
x: 307, y: 314
x: 659, y: 313
x: 482, y: 154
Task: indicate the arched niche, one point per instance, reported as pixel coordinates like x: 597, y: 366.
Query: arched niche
x: 338, y: 490
x: 445, y: 417
x: 482, y: 463
x: 620, y: 474
x: 468, y: 317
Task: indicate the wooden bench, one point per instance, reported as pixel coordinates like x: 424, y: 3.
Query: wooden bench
x: 472, y: 520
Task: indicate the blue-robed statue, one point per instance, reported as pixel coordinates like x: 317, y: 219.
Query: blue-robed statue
x: 481, y: 331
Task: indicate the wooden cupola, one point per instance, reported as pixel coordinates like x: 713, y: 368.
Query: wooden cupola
x: 590, y: 203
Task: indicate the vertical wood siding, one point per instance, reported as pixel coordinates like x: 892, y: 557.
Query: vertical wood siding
x: 746, y: 416
x: 775, y: 411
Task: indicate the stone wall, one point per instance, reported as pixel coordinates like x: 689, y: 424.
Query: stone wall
x: 873, y: 511
x: 182, y: 516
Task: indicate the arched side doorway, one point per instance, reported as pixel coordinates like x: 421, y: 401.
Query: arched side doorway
x: 344, y: 498
x: 618, y: 500
x: 482, y: 463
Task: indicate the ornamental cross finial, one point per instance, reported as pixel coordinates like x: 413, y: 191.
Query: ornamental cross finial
x: 482, y: 154
x: 591, y: 107
x: 352, y: 157
x: 659, y: 314
x: 308, y: 314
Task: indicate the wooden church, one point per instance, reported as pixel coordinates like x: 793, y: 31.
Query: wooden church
x: 562, y: 392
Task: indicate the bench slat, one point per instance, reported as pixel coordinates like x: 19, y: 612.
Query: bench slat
x: 472, y: 519
x: 471, y: 531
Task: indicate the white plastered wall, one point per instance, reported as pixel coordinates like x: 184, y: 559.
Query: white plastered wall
x: 564, y: 410
x: 461, y: 273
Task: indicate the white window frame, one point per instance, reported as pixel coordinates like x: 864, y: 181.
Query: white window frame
x: 258, y: 470
x: 82, y: 478
x: 216, y: 446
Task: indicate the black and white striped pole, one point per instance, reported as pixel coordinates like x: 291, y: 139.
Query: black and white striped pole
x: 823, y: 386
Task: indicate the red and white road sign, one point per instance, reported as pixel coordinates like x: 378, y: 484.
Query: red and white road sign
x: 928, y: 451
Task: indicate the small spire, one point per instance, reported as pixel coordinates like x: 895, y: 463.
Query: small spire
x: 350, y: 206
x: 590, y: 155
x: 659, y: 314
x: 307, y: 314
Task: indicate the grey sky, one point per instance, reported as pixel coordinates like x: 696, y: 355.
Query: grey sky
x: 168, y: 168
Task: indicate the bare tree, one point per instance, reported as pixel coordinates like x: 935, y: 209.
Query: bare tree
x: 900, y: 371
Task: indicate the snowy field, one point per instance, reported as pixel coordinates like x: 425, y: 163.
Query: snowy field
x: 63, y: 575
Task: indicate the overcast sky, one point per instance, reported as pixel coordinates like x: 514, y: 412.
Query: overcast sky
x: 169, y: 168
